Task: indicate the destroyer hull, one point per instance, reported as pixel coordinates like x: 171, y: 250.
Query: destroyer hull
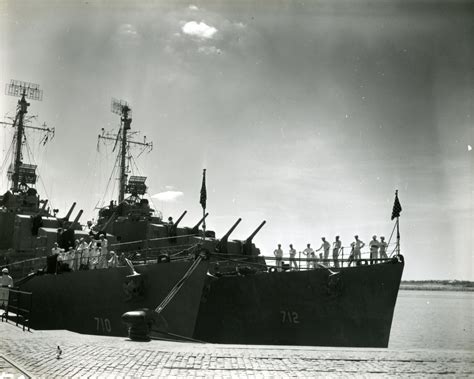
x: 353, y: 308
x: 93, y: 301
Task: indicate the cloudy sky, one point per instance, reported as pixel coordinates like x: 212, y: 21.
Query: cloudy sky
x: 306, y: 114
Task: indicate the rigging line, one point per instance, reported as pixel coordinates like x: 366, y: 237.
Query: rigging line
x: 112, y: 175
x: 99, y: 163
x: 134, y: 166
x: 117, y: 172
x: 92, y: 161
x: 141, y: 152
x: 101, y: 201
x: 31, y: 159
x: 10, y: 149
x: 391, y: 235
x: 155, y: 208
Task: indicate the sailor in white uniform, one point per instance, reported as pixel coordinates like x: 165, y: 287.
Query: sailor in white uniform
x: 278, y: 256
x: 56, y: 250
x: 293, y: 257
x: 336, y: 246
x: 309, y: 252
x: 374, y: 250
x: 6, y: 282
x: 383, y: 248
x: 103, y: 263
x: 83, y: 250
x: 325, y: 247
x: 357, y: 245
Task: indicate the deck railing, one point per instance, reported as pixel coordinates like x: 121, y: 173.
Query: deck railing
x: 304, y: 264
x: 18, y: 307
x: 177, y: 252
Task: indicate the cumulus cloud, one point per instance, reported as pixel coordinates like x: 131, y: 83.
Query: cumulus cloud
x: 127, y: 30
x: 208, y: 50
x: 168, y: 196
x: 193, y: 7
x: 127, y: 35
x: 199, y: 29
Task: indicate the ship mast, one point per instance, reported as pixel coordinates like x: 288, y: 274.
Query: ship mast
x: 22, y: 110
x: 23, y: 173
x: 126, y: 121
x: 134, y: 184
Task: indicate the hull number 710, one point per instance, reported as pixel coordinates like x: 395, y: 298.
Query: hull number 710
x: 103, y: 325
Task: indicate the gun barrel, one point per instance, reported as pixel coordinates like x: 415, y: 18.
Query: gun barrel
x: 180, y: 218
x: 66, y: 218
x: 222, y: 244
x: 196, y: 227
x: 250, y: 238
x: 76, y: 219
x: 231, y: 229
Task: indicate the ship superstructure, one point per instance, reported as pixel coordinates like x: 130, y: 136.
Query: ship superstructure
x: 28, y: 226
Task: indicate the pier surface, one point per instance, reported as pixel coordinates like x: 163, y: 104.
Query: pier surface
x: 34, y: 354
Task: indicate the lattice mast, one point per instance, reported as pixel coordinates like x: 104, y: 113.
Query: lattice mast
x: 122, y: 108
x: 21, y: 172
x: 126, y: 122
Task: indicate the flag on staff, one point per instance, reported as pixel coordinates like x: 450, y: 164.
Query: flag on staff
x: 397, y: 208
x: 203, y: 190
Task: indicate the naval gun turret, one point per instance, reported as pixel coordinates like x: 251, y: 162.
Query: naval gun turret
x: 66, y: 236
x: 247, y: 247
x: 65, y: 219
x: 76, y: 220
x: 173, y: 228
x: 221, y: 246
x: 195, y: 228
x: 37, y: 219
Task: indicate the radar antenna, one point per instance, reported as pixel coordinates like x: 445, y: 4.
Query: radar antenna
x: 136, y: 184
x: 22, y: 173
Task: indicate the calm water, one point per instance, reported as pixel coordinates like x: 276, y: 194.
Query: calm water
x: 433, y: 320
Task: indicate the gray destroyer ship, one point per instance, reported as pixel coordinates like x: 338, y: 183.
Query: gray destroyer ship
x: 184, y: 283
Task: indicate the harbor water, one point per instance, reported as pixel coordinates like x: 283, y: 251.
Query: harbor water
x: 440, y: 320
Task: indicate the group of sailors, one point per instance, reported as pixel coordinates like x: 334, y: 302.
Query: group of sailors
x: 84, y: 255
x: 378, y: 250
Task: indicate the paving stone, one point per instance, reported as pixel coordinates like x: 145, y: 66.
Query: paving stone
x: 101, y: 357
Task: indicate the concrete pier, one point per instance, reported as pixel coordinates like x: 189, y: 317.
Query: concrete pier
x: 34, y: 354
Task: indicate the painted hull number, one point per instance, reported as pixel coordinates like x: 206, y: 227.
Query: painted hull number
x: 103, y: 325
x: 289, y: 317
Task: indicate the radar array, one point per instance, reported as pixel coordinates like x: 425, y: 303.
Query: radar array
x: 136, y: 185
x: 28, y: 90
x: 19, y: 172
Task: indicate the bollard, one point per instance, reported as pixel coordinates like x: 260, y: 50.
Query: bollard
x: 138, y: 324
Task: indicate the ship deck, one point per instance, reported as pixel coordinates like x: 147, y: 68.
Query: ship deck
x: 34, y: 354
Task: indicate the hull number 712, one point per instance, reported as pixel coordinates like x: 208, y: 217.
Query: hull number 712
x: 289, y: 317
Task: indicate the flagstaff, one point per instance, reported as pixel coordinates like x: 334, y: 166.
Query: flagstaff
x: 397, y: 208
x: 203, y: 200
